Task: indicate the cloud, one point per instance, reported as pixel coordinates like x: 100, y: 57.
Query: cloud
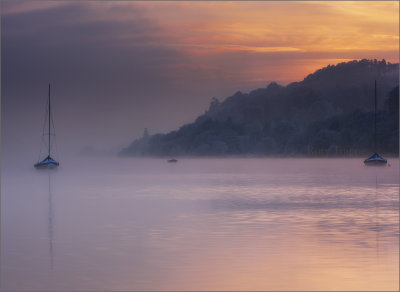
x: 118, y: 67
x: 17, y: 7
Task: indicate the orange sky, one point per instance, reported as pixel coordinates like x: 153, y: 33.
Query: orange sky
x: 191, y: 51
x: 302, y: 36
x: 311, y: 34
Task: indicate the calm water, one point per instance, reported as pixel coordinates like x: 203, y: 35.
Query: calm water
x: 200, y: 224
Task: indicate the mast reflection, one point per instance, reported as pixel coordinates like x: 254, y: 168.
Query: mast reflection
x: 50, y: 221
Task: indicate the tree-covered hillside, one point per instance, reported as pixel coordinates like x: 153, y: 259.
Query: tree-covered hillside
x: 330, y: 112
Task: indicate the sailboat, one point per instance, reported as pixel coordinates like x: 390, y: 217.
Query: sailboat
x: 48, y: 162
x: 375, y: 159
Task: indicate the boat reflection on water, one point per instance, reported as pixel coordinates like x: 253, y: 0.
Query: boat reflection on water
x: 142, y: 224
x: 377, y: 215
x: 50, y: 220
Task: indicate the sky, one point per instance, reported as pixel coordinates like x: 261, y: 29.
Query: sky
x: 119, y: 67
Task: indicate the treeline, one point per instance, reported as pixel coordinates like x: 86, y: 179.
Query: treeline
x: 330, y: 112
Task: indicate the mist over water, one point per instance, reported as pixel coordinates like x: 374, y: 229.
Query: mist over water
x: 107, y: 223
x: 227, y: 79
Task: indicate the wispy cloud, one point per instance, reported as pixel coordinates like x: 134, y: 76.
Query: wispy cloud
x: 119, y: 59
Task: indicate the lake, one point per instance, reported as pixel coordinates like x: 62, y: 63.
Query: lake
x: 110, y: 223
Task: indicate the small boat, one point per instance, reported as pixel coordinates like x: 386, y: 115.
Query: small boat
x: 172, y: 160
x: 48, y: 162
x: 375, y: 159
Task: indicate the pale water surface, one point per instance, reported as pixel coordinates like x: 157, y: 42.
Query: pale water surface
x: 200, y: 224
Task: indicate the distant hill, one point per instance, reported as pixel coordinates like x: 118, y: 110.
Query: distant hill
x: 330, y: 112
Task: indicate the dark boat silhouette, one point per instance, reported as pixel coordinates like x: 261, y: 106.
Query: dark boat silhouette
x: 48, y: 162
x: 172, y: 160
x: 375, y: 159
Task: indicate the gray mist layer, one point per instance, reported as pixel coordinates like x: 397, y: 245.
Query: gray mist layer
x: 105, y: 89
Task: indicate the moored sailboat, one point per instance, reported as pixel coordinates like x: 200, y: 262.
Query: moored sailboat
x: 48, y: 162
x: 375, y: 159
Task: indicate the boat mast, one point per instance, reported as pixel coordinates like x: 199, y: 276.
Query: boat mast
x: 49, y: 119
x: 375, y: 121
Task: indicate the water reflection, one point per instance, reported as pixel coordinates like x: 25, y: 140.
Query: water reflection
x: 376, y: 214
x: 202, y: 225
x: 50, y: 221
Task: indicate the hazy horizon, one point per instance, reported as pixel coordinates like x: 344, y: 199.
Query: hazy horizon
x: 263, y: 217
x: 117, y: 68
